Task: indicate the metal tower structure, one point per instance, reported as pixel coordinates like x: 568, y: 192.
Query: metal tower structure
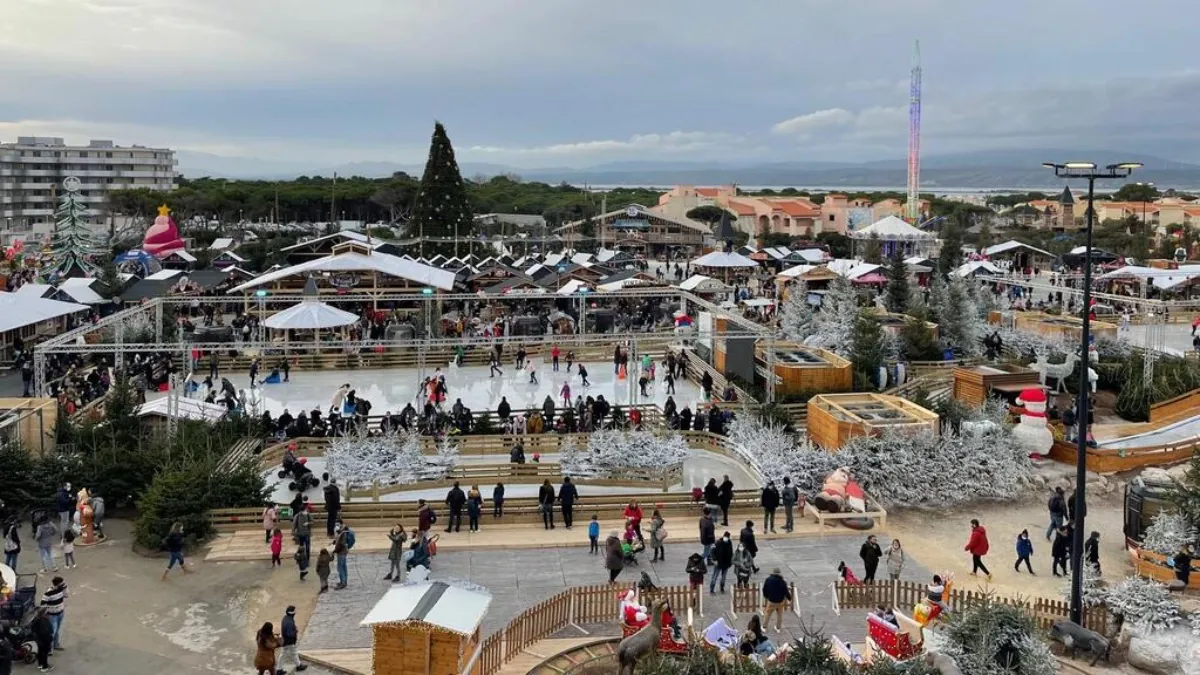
x: 914, y: 137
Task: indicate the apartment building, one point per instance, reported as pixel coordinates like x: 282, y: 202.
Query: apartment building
x: 33, y: 169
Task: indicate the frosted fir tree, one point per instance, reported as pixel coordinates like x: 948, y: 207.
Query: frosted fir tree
x: 71, y: 244
x: 959, y: 323
x: 387, y: 460
x: 796, y: 321
x: 1168, y: 533
x: 996, y: 639
x: 1095, y: 592
x: 1144, y: 603
x: 833, y: 324
x: 610, y: 451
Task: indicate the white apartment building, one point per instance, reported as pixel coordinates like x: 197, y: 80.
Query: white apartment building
x: 32, y: 171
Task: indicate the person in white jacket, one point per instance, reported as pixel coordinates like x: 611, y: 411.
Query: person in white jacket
x: 339, y: 397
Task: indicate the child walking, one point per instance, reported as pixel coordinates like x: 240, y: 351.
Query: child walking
x: 594, y: 534
x: 68, y: 546
x: 301, y: 558
x: 323, y: 560
x: 276, y: 547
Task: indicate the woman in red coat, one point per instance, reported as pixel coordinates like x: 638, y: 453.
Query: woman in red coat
x: 633, y: 515
x: 977, y: 546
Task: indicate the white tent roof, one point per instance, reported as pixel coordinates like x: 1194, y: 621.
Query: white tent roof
x: 572, y: 286
x: 17, y: 311
x: 353, y: 261
x: 893, y: 228
x: 164, y: 274
x: 812, y: 255
x: 852, y: 269
x: 182, y: 254
x: 232, y: 256
x: 80, y: 290
x: 436, y: 603
x: 1159, y: 277
x: 189, y: 409
x: 793, y: 272
x: 975, y: 266
x: 221, y: 243
x: 724, y: 259
x: 704, y: 284
x: 1007, y: 246
x: 309, y: 315
x: 34, y: 290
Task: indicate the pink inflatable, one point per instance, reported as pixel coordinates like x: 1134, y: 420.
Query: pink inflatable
x: 163, y: 236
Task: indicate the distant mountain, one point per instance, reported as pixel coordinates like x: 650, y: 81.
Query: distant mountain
x: 993, y: 169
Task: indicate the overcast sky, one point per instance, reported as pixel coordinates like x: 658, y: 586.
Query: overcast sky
x: 538, y: 83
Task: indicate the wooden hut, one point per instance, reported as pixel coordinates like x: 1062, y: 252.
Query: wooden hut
x: 802, y: 368
x: 1065, y: 327
x: 833, y: 419
x: 973, y: 385
x: 427, y: 628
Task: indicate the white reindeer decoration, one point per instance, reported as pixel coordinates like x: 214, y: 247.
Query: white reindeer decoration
x: 1058, y: 371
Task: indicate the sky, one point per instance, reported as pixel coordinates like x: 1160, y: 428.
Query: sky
x: 553, y: 83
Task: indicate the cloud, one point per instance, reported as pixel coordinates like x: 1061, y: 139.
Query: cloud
x: 673, y: 142
x: 803, y: 125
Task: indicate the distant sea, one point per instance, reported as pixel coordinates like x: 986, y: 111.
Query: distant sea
x: 935, y: 190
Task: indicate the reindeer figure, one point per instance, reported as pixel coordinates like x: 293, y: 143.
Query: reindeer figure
x: 633, y: 648
x: 1058, y: 371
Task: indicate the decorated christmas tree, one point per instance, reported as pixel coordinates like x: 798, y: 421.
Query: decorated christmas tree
x: 71, y: 244
x: 442, y: 212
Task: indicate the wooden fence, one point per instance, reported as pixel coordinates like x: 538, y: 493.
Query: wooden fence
x: 903, y: 595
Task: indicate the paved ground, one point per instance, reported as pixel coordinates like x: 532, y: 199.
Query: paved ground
x: 518, y: 579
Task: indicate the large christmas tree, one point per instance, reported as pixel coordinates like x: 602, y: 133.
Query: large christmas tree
x: 442, y: 212
x: 71, y: 243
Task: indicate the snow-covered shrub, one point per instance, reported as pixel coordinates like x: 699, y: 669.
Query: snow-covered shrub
x: 796, y: 315
x: 608, y: 451
x: 1194, y: 620
x: 833, y: 324
x: 997, y: 639
x: 1145, y: 603
x: 1168, y: 533
x: 1095, y: 593
x: 387, y: 460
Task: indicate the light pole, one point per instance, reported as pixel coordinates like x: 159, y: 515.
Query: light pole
x: 1091, y: 172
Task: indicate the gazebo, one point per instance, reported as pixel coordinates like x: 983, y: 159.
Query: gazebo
x: 724, y: 260
x: 310, y: 314
x: 893, y: 233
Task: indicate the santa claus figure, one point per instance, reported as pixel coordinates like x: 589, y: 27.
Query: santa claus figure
x: 633, y: 614
x: 1031, y: 431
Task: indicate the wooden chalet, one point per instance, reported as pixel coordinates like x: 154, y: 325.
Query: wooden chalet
x: 640, y: 231
x: 322, y: 247
x: 427, y: 628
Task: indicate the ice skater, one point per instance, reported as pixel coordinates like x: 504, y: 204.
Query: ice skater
x: 532, y: 373
x: 570, y: 359
x: 565, y: 392
x: 583, y: 375
x: 494, y: 365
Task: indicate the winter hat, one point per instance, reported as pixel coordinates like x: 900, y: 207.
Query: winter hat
x: 291, y: 610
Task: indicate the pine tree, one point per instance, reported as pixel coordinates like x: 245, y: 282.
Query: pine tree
x: 71, y: 243
x: 874, y: 252
x: 958, y: 319
x: 834, y: 323
x: 796, y: 315
x: 866, y: 351
x: 950, y: 256
x: 442, y: 210
x: 897, y: 286
x: 1169, y: 532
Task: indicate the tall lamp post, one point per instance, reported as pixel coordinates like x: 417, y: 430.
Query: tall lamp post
x: 1091, y: 172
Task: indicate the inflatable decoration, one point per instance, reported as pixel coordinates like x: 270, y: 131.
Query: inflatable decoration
x: 163, y: 236
x: 840, y: 493
x: 1031, y: 430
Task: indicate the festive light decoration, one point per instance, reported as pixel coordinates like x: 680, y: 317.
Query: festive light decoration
x: 608, y: 451
x: 387, y: 460
x: 71, y: 244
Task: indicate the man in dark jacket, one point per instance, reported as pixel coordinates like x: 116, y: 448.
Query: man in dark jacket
x: 708, y: 534
x: 1061, y: 549
x: 749, y: 544
x: 778, y: 595
x: 6, y: 657
x: 1058, y: 511
x: 287, y: 630
x: 723, y: 557
x: 1091, y: 551
x: 789, y: 496
x: 870, y: 554
x: 504, y: 409
x: 65, y: 505
x: 455, y: 500
x: 567, y: 495
x: 725, y: 493
x: 770, y: 503
x: 333, y: 505
x: 712, y: 496
x: 43, y: 634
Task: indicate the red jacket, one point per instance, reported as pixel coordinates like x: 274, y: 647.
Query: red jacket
x: 633, y: 514
x: 978, y: 544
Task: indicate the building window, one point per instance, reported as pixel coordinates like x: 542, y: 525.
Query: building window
x: 831, y: 217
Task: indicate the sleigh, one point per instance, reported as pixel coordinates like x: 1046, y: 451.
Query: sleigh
x: 900, y: 641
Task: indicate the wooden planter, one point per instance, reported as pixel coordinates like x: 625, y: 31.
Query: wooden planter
x: 833, y: 419
x: 973, y: 385
x: 801, y: 368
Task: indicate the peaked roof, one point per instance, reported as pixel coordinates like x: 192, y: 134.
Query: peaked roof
x: 446, y: 606
x: 353, y: 261
x: 1066, y: 197
x: 893, y: 228
x: 18, y: 310
x: 724, y: 259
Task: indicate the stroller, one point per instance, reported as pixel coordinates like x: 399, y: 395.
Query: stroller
x: 743, y: 567
x: 15, y: 616
x: 629, y: 551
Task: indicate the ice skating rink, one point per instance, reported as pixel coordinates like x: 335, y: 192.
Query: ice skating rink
x: 391, y: 388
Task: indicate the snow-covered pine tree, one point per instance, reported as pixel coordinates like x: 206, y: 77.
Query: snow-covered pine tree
x: 959, y: 324
x: 442, y: 209
x: 796, y: 316
x: 1169, y: 532
x: 834, y: 323
x: 388, y: 460
x: 867, y: 349
x: 1145, y: 603
x: 608, y: 451
x: 897, y: 293
x: 1095, y: 593
x: 71, y: 244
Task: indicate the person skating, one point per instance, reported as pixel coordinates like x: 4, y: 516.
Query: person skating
x: 770, y: 503
x: 533, y: 372
x: 455, y: 500
x: 723, y: 560
x: 583, y: 374
x: 870, y: 554
x: 494, y: 365
x: 977, y: 546
x: 1024, y: 552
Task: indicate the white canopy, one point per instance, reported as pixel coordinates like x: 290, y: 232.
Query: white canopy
x: 1161, y: 278
x: 975, y: 267
x: 703, y: 284
x: 892, y: 228
x: 310, y: 315
x: 572, y: 286
x: 852, y: 269
x: 33, y: 290
x: 19, y: 310
x: 436, y: 603
x: 724, y: 259
x: 793, y: 272
x: 1010, y: 246
x: 353, y: 261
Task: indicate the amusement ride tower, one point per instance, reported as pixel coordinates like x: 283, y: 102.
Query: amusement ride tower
x: 914, y: 138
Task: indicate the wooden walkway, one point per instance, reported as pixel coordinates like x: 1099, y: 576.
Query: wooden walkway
x: 349, y: 661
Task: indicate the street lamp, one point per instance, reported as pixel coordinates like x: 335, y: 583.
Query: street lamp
x: 1091, y: 172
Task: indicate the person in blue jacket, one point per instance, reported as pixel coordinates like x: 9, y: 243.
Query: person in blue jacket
x: 1024, y: 551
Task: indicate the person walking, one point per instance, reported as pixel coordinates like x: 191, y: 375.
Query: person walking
x: 1058, y: 511
x: 289, y: 658
x: 658, y: 536
x: 789, y: 496
x: 1024, y: 552
x: 64, y: 505
x: 565, y: 392
x: 455, y: 500
x: 498, y: 500
x: 870, y: 554
x: 725, y: 492
x: 614, y: 558
x: 708, y: 534
x: 45, y: 535
x: 341, y: 552
x: 174, y: 545
x: 397, y: 536
x: 333, y: 506
x: 323, y: 569
x: 302, y: 559
x: 977, y: 546
x: 265, y: 643
x: 749, y: 543
x: 269, y: 515
x: 12, y: 544
x: 770, y: 503
x: 54, y: 601
x: 1060, y: 550
x: 43, y: 635
x: 98, y: 514
x: 567, y: 496
x: 723, y: 560
x: 546, y: 504
x: 276, y: 547
x: 474, y: 508
x: 895, y: 560
x: 778, y: 596
x: 1091, y: 551
x: 425, y: 517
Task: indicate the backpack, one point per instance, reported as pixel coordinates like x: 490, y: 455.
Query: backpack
x: 432, y: 516
x: 349, y: 539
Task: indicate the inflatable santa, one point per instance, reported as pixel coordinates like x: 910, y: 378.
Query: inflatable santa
x: 1031, y: 431
x: 633, y: 614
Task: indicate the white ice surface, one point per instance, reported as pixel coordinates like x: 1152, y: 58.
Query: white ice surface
x: 1184, y: 430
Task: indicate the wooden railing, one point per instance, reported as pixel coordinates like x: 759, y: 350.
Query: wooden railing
x: 1106, y: 460
x: 903, y: 595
